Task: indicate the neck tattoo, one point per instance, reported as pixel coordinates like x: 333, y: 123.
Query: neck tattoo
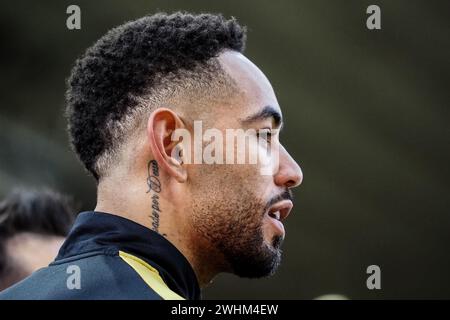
x: 154, y: 188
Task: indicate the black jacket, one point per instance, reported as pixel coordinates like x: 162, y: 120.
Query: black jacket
x: 109, y: 257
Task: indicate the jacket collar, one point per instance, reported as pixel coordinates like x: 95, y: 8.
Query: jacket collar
x: 98, y: 231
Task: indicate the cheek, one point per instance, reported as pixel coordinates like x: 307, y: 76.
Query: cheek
x: 227, y: 186
x: 269, y: 159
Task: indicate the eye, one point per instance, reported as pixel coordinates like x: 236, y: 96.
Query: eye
x: 265, y: 134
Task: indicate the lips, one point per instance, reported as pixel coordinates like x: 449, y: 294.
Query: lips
x: 281, y: 210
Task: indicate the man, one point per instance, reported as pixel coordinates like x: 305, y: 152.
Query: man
x: 33, y: 225
x: 165, y: 225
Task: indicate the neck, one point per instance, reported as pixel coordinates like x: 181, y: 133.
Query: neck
x: 152, y: 210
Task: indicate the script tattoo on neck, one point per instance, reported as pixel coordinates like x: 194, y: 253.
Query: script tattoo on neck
x: 154, y: 188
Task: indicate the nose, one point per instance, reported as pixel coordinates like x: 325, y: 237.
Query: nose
x: 290, y: 174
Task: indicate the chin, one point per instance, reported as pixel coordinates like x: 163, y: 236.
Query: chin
x: 258, y: 263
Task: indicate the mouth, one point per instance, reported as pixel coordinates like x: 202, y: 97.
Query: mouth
x: 280, y: 210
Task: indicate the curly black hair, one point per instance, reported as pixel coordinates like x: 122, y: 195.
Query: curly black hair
x: 129, y: 60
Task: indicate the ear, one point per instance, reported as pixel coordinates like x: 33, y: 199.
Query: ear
x: 161, y: 125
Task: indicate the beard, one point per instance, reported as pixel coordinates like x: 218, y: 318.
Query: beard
x: 254, y: 258
x: 233, y: 226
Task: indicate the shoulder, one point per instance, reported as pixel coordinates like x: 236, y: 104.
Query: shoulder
x: 88, y: 276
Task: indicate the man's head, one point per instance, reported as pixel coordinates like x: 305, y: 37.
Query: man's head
x: 147, y: 80
x: 32, y: 228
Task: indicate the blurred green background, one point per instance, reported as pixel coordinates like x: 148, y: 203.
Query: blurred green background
x: 367, y: 117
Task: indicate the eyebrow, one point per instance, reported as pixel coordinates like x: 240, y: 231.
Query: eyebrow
x: 265, y: 113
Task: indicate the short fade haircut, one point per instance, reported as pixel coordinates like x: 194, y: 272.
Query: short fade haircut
x: 43, y: 212
x: 139, y: 65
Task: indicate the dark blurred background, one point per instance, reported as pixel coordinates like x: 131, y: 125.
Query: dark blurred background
x: 367, y: 117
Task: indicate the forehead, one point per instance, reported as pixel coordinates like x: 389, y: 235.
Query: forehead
x: 256, y: 92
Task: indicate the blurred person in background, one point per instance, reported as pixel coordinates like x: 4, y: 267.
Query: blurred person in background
x: 33, y: 226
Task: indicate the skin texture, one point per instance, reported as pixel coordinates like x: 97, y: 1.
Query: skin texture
x: 216, y: 215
